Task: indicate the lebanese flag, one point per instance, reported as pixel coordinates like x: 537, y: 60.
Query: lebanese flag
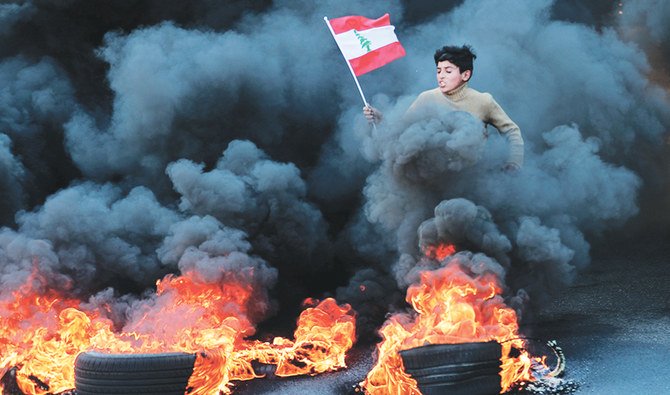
x: 366, y: 44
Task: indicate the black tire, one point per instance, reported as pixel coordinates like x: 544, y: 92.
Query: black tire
x: 457, y: 368
x: 483, y: 385
x: 451, y: 354
x: 168, y: 374
x: 135, y: 389
x: 449, y: 375
x: 101, y: 382
x: 135, y: 375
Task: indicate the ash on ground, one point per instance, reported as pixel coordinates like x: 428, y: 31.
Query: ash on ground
x: 544, y: 386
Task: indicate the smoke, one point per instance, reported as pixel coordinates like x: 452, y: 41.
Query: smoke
x: 596, y: 13
x: 187, y: 92
x: 210, y: 254
x: 227, y: 141
x: 459, y: 222
x: 101, y: 235
x: 646, y: 21
x: 582, y: 174
x: 375, y: 294
x: 35, y: 101
x: 266, y: 199
x: 12, y: 175
x: 10, y: 14
x: 17, y: 257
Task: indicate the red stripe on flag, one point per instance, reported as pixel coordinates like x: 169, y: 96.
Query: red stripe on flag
x: 346, y: 23
x: 377, y: 58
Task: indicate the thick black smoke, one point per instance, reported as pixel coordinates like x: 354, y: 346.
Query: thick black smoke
x: 35, y: 101
x: 139, y: 139
x: 13, y: 177
x: 585, y: 103
x: 266, y: 199
x: 12, y: 13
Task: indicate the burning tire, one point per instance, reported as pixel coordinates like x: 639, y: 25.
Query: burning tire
x: 97, y: 373
x: 464, y: 368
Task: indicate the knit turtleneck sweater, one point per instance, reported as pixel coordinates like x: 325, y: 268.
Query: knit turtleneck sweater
x: 481, y: 105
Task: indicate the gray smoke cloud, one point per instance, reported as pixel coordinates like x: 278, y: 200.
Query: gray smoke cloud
x: 12, y: 176
x: 187, y: 92
x: 265, y: 198
x: 35, y: 100
x: 35, y: 95
x: 209, y: 253
x: 20, y: 256
x: 460, y: 222
x: 374, y: 294
x: 215, y: 254
x: 226, y: 140
x: 12, y: 13
x: 101, y: 235
x: 646, y: 22
x: 582, y: 174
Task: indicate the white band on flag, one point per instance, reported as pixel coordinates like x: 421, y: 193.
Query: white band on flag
x: 354, y: 44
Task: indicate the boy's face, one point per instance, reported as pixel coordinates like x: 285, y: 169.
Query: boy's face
x: 449, y: 76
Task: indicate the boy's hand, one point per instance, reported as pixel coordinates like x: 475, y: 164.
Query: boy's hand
x: 511, y: 167
x: 372, y: 114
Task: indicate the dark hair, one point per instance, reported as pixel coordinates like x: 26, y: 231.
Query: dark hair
x: 462, y: 57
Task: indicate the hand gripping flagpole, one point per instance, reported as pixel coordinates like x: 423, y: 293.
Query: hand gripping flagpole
x: 358, y: 85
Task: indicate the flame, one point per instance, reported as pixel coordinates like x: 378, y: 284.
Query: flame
x: 41, y: 334
x: 440, y: 251
x: 324, y: 333
x: 450, y: 306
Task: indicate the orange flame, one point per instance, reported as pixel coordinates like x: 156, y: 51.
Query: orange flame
x: 324, y: 333
x: 450, y: 306
x: 440, y: 251
x: 41, y: 334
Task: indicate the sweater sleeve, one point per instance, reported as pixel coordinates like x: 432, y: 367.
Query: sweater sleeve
x: 498, y: 118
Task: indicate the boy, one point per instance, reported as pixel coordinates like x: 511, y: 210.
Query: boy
x: 454, y: 70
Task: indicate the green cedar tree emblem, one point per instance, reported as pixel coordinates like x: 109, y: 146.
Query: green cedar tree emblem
x: 365, y: 43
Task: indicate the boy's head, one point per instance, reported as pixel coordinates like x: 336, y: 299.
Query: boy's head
x: 454, y: 67
x: 462, y: 57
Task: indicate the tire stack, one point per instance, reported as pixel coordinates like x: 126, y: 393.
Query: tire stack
x: 166, y: 374
x: 455, y: 369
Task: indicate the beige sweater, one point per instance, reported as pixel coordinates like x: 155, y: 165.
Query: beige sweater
x: 481, y: 105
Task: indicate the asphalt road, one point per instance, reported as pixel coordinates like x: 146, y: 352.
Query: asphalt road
x: 614, y: 322
x: 613, y: 325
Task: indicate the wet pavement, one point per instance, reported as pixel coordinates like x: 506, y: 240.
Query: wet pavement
x: 613, y: 325
x: 614, y: 322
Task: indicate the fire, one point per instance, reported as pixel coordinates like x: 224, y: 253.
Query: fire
x: 450, y: 306
x: 324, y: 333
x: 440, y: 251
x: 41, y: 334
